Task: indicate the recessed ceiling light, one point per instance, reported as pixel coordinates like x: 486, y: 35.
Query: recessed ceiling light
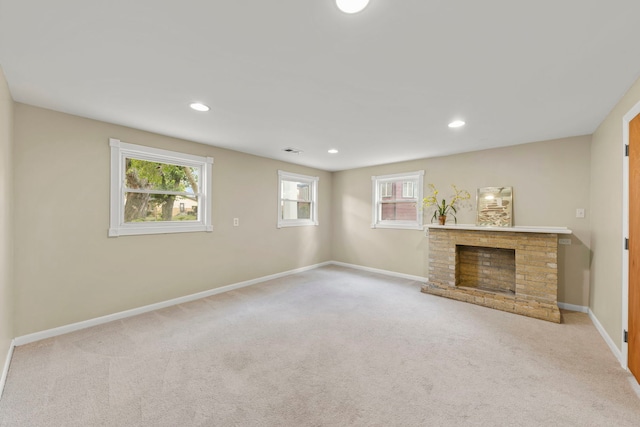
x: 199, y: 106
x: 333, y: 151
x: 456, y: 124
x: 351, y: 6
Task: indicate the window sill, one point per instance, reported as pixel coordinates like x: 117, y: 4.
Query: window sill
x: 296, y: 224
x: 154, y: 229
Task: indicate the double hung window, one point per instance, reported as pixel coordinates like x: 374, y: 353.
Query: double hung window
x: 158, y: 191
x: 297, y: 199
x: 397, y: 200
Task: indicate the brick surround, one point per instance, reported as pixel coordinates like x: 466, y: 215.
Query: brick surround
x: 506, y: 270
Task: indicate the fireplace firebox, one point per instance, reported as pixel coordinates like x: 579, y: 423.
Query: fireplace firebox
x: 488, y: 269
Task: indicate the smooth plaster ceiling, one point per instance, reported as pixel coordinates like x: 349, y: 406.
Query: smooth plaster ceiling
x: 380, y: 86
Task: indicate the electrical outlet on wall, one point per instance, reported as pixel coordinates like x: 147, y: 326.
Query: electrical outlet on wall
x: 580, y: 213
x: 236, y: 222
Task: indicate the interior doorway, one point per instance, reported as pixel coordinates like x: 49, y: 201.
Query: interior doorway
x: 633, y: 331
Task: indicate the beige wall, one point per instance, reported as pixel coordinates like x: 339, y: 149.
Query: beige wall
x: 606, y: 221
x: 6, y: 264
x: 550, y: 180
x: 68, y: 270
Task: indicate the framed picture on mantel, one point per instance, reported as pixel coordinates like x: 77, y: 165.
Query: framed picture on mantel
x: 495, y: 207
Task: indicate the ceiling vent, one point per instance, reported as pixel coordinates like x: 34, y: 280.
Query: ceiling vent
x: 292, y: 150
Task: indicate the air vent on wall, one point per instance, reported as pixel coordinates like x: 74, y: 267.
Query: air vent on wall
x: 292, y: 150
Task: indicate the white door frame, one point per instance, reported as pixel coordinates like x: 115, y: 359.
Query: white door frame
x: 625, y: 231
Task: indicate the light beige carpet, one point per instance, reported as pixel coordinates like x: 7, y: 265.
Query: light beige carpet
x: 330, y: 347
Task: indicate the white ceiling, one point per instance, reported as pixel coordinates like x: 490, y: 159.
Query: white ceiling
x: 380, y: 86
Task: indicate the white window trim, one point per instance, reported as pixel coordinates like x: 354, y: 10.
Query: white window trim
x: 376, y: 222
x: 121, y: 150
x: 313, y: 184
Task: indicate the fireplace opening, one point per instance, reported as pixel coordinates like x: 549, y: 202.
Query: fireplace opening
x: 487, y: 269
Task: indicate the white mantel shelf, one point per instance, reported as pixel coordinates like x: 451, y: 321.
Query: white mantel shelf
x: 516, y: 229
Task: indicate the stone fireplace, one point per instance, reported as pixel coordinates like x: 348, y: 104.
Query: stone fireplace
x: 512, y: 269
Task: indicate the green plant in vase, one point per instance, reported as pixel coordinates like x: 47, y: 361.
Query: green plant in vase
x: 442, y: 208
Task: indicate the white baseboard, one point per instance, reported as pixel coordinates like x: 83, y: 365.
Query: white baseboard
x: 612, y: 346
x: 5, y: 370
x: 385, y: 272
x: 572, y: 307
x: 37, y: 336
